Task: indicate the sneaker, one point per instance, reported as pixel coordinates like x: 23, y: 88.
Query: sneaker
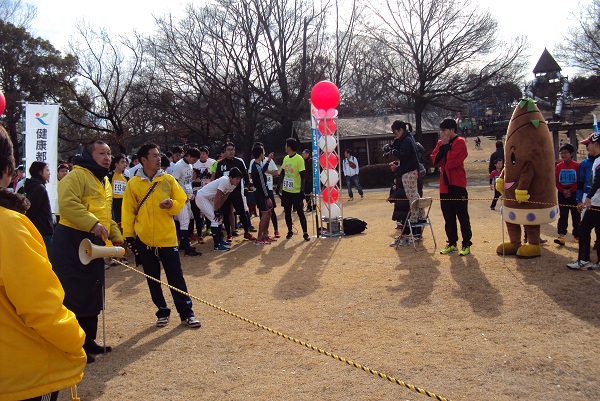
x: 449, y: 249
x: 193, y: 252
x: 90, y: 358
x: 306, y: 237
x: 595, y: 266
x: 124, y: 261
x: 221, y: 247
x: 289, y: 235
x: 543, y: 240
x: 261, y: 242
x: 270, y: 239
x: 362, y: 197
x: 252, y: 229
x: 581, y: 265
x: 162, y: 321
x: 235, y: 233
x: 249, y: 236
x: 465, y: 251
x: 229, y: 238
x: 277, y: 235
x: 559, y: 241
x: 350, y: 200
x: 226, y: 243
x: 191, y: 322
x: 492, y: 208
x: 395, y: 242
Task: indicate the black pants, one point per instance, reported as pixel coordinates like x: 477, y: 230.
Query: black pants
x: 495, y: 201
x: 288, y: 200
x: 563, y: 218
x: 273, y: 215
x: 235, y: 199
x: 455, y: 205
x: 151, y: 259
x: 591, y: 219
x: 89, y: 324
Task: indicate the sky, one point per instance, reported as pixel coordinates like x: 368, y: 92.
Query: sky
x: 544, y: 22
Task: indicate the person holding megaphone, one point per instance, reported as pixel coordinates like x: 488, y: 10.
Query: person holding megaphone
x: 41, y: 343
x: 85, y: 204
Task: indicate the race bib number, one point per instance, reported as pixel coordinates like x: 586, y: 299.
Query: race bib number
x: 269, y: 182
x: 119, y: 187
x: 288, y: 184
x: 567, y: 177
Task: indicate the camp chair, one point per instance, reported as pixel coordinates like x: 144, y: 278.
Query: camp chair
x: 421, y: 203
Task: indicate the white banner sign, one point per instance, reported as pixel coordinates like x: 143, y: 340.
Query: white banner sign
x: 41, y: 142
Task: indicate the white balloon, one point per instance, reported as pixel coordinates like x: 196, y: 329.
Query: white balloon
x: 329, y: 177
x: 327, y: 143
x: 335, y: 211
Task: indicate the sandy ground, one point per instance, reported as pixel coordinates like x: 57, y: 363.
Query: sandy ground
x: 480, y: 327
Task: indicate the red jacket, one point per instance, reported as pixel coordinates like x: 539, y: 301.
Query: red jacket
x: 451, y: 160
x: 565, y: 174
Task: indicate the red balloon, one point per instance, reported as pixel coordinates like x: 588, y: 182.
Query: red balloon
x: 325, y: 95
x: 330, y: 195
x: 2, y: 103
x: 328, y: 160
x: 329, y: 128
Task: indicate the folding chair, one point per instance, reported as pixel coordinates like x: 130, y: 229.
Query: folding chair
x: 421, y: 203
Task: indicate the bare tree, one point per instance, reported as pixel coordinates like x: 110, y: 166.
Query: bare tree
x: 109, y: 72
x: 18, y: 13
x: 440, y: 49
x: 581, y: 46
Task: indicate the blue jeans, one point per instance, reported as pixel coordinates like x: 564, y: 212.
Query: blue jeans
x: 349, y: 181
x: 151, y: 259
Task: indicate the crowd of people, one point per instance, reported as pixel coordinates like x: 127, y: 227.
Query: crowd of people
x: 153, y: 205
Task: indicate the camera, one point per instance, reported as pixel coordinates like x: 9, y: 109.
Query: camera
x: 387, y: 148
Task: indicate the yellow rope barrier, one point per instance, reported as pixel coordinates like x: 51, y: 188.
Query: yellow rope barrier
x: 290, y: 338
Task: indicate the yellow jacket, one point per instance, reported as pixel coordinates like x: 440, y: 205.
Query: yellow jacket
x: 40, y: 340
x: 152, y: 225
x: 83, y: 201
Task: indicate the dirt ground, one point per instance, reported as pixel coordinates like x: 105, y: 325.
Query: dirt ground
x: 480, y: 327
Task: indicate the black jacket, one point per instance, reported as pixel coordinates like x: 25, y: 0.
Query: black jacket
x: 39, y: 212
x: 404, y: 149
x: 498, y: 154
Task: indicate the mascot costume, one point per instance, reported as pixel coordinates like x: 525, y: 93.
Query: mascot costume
x: 527, y: 181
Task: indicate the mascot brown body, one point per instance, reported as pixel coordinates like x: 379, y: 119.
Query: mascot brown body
x: 527, y: 182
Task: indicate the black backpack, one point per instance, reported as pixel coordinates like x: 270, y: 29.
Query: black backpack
x: 354, y: 226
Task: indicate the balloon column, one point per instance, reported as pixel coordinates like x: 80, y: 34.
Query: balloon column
x: 2, y: 103
x: 325, y: 97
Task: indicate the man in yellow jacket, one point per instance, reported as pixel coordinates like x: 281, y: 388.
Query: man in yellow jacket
x: 40, y: 340
x: 151, y: 200
x: 85, y: 204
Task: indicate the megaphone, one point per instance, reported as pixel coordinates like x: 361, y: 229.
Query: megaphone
x: 89, y: 251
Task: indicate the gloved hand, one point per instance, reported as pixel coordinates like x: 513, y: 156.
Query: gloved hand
x: 132, y: 244
x: 218, y: 215
x: 521, y: 195
x: 500, y: 185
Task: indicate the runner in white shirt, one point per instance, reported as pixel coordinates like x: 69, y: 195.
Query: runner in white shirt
x: 210, y: 199
x: 203, y: 175
x: 184, y: 173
